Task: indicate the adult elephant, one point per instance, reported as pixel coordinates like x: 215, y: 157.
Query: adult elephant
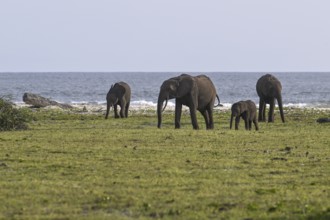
x: 119, y: 94
x: 269, y: 88
x: 196, y: 92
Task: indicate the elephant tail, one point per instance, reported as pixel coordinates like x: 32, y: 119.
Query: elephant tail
x: 166, y: 100
x: 218, y: 101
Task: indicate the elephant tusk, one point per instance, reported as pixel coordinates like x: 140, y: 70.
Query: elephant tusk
x: 165, y: 104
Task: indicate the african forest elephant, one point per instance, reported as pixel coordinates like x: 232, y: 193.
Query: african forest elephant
x: 119, y: 94
x: 248, y: 111
x: 196, y: 92
x: 269, y: 88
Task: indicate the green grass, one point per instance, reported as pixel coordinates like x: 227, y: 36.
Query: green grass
x: 76, y: 166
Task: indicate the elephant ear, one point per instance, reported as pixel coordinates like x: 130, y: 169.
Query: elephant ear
x: 187, y: 85
x: 174, y: 85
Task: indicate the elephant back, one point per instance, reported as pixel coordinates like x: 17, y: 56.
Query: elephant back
x: 123, y: 84
x: 207, y: 91
x: 121, y: 89
x: 205, y: 83
x: 266, y: 84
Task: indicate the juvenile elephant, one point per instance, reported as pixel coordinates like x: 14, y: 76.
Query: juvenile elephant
x: 196, y: 92
x: 269, y: 88
x: 248, y: 111
x: 119, y: 94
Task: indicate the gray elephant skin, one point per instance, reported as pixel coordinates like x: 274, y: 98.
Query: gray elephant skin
x: 196, y: 92
x: 269, y: 88
x: 119, y: 94
x: 248, y: 111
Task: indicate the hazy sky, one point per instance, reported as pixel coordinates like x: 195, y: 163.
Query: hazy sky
x: 164, y: 35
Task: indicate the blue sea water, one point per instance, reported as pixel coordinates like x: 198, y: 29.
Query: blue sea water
x: 299, y: 89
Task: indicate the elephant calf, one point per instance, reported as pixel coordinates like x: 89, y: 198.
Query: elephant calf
x: 119, y: 94
x: 248, y: 111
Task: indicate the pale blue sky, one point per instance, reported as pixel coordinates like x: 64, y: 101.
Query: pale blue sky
x: 164, y: 35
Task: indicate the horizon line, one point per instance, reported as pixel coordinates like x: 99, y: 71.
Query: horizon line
x: 164, y: 71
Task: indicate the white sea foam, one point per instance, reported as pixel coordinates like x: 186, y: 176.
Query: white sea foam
x: 296, y: 105
x: 149, y: 105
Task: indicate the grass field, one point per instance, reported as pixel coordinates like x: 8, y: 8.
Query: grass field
x: 80, y: 166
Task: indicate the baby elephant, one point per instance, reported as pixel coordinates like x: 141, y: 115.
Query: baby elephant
x: 248, y: 111
x: 119, y: 94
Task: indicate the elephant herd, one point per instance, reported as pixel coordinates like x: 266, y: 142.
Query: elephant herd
x: 199, y: 93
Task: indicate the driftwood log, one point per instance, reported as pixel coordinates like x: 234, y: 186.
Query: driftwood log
x: 38, y: 101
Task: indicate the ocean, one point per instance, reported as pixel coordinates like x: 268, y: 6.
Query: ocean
x: 300, y: 89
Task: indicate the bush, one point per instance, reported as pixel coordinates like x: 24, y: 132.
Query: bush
x: 12, y: 118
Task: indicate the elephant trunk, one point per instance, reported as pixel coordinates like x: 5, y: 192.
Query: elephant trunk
x: 108, y: 109
x: 159, y: 114
x: 280, y: 105
x: 163, y: 96
x: 231, y: 120
x: 160, y: 110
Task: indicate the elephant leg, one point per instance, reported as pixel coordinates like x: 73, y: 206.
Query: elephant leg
x: 210, y: 116
x: 246, y: 123
x: 122, y: 112
x: 255, y: 122
x: 237, y: 119
x: 193, y: 118
x: 115, y: 107
x: 247, y: 120
x: 122, y: 109
x: 126, y: 109
x: 250, y: 124
x: 261, y: 110
x: 178, y: 111
x: 280, y: 106
x: 264, y: 112
x: 206, y: 118
x: 271, y: 110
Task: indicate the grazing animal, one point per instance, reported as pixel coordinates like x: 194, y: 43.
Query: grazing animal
x: 248, y: 111
x: 269, y: 88
x: 119, y: 94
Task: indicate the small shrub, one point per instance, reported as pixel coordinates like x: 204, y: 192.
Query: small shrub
x: 12, y: 118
